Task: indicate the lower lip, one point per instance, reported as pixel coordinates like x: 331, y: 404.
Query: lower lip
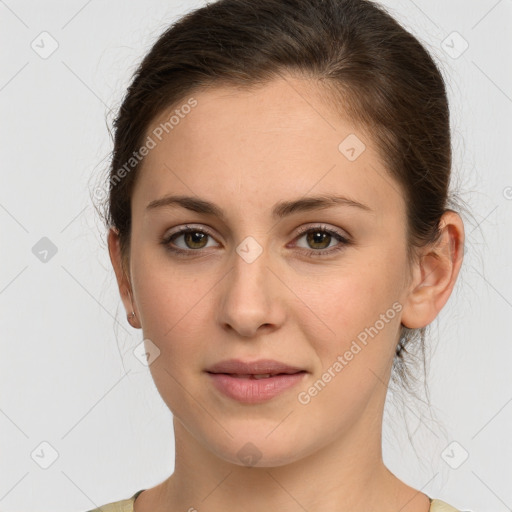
x: 253, y: 391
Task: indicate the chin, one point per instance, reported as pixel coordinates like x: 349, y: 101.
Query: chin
x: 259, y: 451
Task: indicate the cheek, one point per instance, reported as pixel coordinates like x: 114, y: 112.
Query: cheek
x: 360, y: 305
x: 354, y: 355
x: 172, y: 306
x: 171, y: 302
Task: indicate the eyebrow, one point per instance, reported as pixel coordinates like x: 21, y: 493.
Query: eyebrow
x: 279, y: 211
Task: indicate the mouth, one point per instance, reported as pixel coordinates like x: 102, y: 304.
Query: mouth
x: 254, y: 382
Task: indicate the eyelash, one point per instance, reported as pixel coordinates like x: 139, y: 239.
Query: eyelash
x: 309, y: 252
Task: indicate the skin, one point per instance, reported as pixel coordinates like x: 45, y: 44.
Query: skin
x: 246, y: 151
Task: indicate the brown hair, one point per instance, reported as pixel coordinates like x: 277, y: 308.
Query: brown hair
x: 367, y: 64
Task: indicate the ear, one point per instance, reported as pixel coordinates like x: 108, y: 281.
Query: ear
x: 435, y: 274
x: 122, y: 276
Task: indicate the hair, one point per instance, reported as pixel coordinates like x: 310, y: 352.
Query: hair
x: 364, y: 62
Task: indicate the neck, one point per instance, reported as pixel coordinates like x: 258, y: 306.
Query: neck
x: 345, y: 475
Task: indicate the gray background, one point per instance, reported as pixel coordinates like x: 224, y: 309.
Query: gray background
x: 69, y: 378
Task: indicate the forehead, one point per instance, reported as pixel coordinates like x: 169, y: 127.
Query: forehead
x: 262, y: 145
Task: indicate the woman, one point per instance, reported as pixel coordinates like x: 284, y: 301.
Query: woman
x: 279, y: 231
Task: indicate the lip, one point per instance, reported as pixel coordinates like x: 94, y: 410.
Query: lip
x: 261, y: 366
x: 235, y: 379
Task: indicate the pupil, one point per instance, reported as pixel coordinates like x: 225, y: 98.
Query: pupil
x: 318, y: 237
x: 193, y: 236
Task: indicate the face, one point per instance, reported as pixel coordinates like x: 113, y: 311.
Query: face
x: 316, y: 286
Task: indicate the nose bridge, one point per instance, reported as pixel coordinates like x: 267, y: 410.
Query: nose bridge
x: 250, y: 263
x: 249, y: 294
x: 250, y: 276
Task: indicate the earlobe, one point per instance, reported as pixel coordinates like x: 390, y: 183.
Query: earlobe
x: 123, y: 281
x: 435, y: 274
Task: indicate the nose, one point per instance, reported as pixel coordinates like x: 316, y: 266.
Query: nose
x: 251, y: 298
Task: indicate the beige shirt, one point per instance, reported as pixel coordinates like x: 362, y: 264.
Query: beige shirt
x: 127, y: 506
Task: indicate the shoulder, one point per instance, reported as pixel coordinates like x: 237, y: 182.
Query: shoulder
x: 441, y: 506
x: 125, y: 505
x: 116, y: 506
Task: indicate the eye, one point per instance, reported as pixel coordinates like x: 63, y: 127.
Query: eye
x: 320, y: 238
x: 195, y: 239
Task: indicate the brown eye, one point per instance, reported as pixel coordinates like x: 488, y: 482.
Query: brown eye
x: 319, y: 239
x: 194, y: 239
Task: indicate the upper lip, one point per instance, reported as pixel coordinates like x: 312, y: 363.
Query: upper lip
x: 259, y: 367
